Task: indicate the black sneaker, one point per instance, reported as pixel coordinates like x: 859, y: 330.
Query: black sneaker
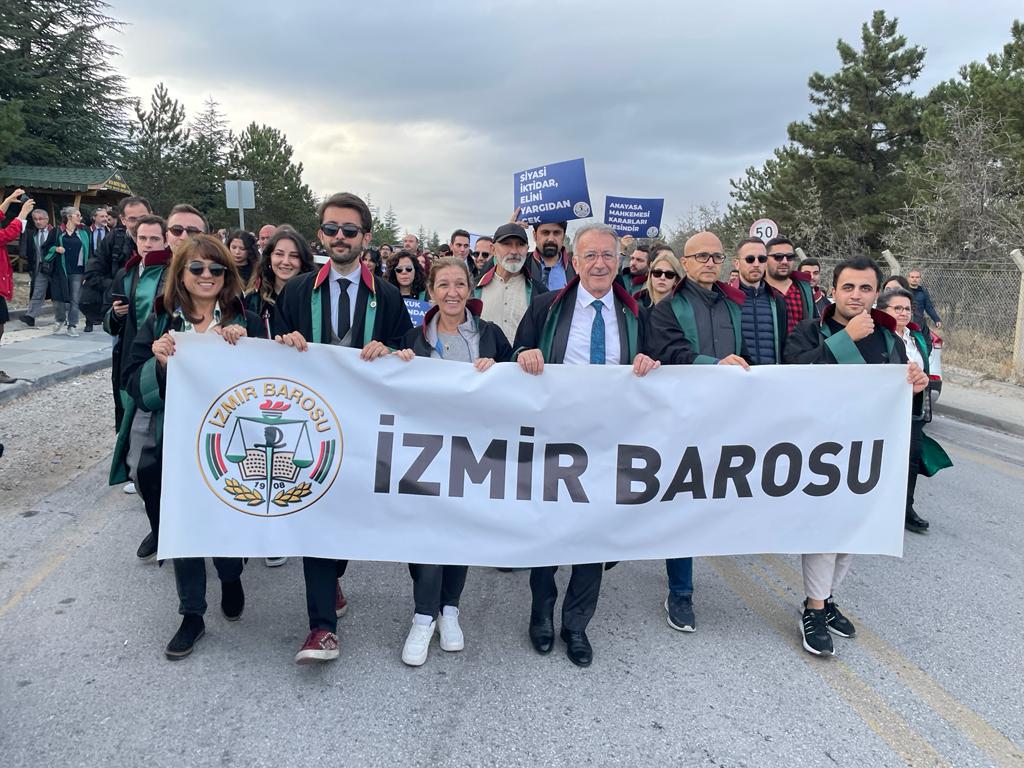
x: 88, y: 328
x: 28, y: 320
x: 814, y: 630
x: 232, y: 599
x: 915, y: 523
x: 837, y: 623
x: 192, y: 628
x: 147, y: 549
x: 680, y: 612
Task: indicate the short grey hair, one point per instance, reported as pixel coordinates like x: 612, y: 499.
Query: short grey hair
x: 603, y: 229
x: 66, y: 211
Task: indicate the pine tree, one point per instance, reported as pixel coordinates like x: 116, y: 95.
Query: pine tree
x: 205, y: 165
x: 866, y: 127
x: 262, y: 154
x: 12, y: 126
x: 154, y: 164
x: 55, y: 67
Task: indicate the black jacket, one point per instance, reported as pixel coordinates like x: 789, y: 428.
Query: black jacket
x: 493, y: 343
x: 808, y: 344
x: 536, y: 264
x: 542, y: 308
x: 673, y: 345
x: 114, y: 252
x: 127, y: 327
x: 294, y: 309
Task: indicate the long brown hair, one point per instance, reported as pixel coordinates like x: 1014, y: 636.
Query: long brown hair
x: 197, y: 248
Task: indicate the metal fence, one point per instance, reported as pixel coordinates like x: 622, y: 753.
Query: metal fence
x: 978, y: 304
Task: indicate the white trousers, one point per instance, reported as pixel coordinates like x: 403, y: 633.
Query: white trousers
x: 823, y: 573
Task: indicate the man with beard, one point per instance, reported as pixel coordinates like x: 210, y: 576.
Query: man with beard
x: 794, y: 285
x: 506, y: 289
x: 482, y: 254
x: 550, y: 265
x: 634, y: 277
x: 812, y: 268
x: 344, y: 304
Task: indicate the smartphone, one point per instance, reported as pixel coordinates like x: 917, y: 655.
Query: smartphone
x: 118, y: 297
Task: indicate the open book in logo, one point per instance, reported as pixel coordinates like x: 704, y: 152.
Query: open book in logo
x: 270, y: 447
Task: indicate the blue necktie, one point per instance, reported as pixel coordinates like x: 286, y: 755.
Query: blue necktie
x: 597, y: 334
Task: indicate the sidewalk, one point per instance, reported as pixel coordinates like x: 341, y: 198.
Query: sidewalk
x: 986, y: 403
x: 38, y: 358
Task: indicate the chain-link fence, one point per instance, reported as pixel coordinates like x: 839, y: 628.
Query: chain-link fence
x: 978, y: 306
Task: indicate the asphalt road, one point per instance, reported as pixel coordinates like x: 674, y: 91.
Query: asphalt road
x: 933, y: 679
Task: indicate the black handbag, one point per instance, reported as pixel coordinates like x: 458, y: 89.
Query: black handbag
x: 46, y: 267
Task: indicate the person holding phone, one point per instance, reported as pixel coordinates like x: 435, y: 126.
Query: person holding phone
x: 9, y: 234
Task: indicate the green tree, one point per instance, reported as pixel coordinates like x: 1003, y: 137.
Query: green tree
x: 385, y: 226
x: 262, y: 154
x: 204, y: 163
x: 993, y: 89
x: 866, y: 127
x: 55, y: 64
x: 154, y: 164
x: 12, y: 127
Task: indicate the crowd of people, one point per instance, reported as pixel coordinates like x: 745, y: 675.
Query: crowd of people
x: 601, y: 300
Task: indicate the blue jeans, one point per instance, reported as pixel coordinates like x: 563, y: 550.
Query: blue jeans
x: 680, y: 575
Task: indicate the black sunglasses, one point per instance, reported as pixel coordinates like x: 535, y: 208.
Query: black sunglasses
x: 177, y: 230
x: 348, y: 230
x: 410, y: 268
x: 783, y: 256
x: 198, y: 267
x: 758, y: 259
x: 664, y: 273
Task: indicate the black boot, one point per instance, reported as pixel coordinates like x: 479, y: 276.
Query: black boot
x: 192, y: 628
x: 232, y: 599
x: 915, y: 523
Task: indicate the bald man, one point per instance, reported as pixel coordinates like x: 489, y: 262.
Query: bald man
x: 266, y: 232
x: 701, y: 323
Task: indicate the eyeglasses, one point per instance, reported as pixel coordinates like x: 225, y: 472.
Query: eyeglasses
x: 703, y: 258
x: 177, y: 230
x: 591, y: 256
x: 198, y: 267
x: 347, y: 230
x: 758, y: 259
x: 898, y: 309
x: 664, y: 273
x: 399, y: 270
x: 783, y: 256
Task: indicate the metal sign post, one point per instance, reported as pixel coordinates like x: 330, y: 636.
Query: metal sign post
x: 240, y: 195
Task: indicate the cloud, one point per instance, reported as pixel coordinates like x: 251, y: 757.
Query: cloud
x: 432, y: 107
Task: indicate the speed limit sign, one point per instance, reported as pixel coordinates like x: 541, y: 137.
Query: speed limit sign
x: 765, y: 229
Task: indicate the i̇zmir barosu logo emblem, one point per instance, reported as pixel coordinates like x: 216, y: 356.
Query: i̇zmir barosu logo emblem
x: 269, y: 447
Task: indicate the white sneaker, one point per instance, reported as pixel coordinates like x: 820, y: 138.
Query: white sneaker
x: 451, y: 633
x: 416, y: 644
x: 59, y: 330
x: 128, y: 488
x: 72, y: 331
x: 274, y: 562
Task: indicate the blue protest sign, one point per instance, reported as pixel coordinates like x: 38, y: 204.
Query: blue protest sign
x: 555, y: 192
x: 636, y: 216
x: 417, y: 310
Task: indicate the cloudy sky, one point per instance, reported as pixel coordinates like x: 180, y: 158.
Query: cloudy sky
x: 432, y: 106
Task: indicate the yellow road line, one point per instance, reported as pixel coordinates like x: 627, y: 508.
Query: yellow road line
x: 34, y: 581
x: 1000, y: 749
x: 989, y: 461
x: 877, y: 714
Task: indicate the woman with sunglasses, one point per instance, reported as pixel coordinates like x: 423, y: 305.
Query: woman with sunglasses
x: 406, y: 274
x: 662, y: 277
x: 201, y: 295
x: 245, y: 255
x: 899, y: 304
x: 452, y: 330
x: 285, y: 255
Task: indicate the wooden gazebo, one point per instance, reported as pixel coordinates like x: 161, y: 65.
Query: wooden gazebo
x: 54, y: 187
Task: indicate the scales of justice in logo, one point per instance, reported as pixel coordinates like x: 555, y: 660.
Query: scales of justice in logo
x: 269, y: 447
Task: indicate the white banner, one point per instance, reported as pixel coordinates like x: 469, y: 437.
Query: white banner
x: 269, y: 451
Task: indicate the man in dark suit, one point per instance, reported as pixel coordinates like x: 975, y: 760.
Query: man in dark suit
x: 344, y: 304
x: 32, y: 240
x: 592, y: 321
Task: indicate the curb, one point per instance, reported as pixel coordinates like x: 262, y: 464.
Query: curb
x: 978, y: 419
x: 21, y: 387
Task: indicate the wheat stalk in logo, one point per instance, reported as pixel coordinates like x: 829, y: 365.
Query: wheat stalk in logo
x: 300, y: 491
x: 243, y: 493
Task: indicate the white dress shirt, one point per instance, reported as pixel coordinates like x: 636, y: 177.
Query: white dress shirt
x: 577, y: 350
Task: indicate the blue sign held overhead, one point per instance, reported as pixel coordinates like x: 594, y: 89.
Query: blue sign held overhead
x: 555, y: 192
x: 636, y: 216
x: 417, y: 310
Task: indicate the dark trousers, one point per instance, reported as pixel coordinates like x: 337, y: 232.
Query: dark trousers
x: 916, y: 431
x: 435, y: 586
x: 147, y: 483
x: 190, y: 579
x: 580, y: 598
x: 321, y: 575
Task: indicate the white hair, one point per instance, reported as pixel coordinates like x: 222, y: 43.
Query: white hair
x: 600, y: 228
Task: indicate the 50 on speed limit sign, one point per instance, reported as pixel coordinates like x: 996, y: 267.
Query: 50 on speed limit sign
x: 765, y: 229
